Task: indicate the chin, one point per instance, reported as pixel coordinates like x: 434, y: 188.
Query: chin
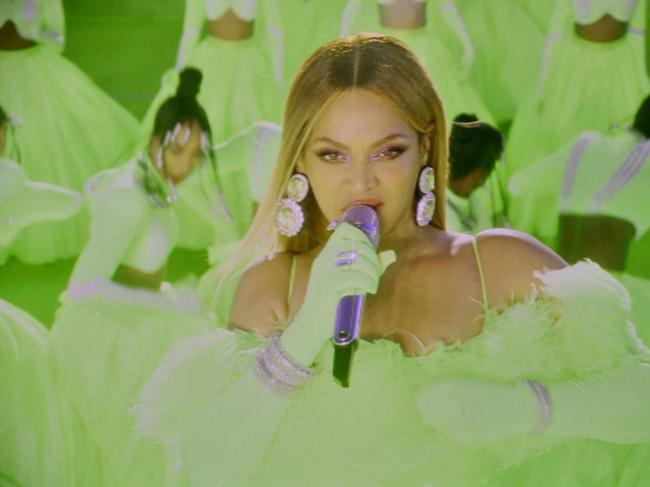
x: 177, y: 179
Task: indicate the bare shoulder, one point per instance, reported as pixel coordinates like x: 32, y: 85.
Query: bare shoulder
x: 259, y: 304
x: 518, y: 247
x: 510, y: 259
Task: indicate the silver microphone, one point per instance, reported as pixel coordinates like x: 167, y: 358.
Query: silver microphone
x: 350, y: 308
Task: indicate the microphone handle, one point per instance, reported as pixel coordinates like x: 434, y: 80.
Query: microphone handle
x: 346, y: 335
x: 350, y: 308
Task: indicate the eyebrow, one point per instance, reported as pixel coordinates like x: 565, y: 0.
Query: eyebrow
x: 343, y: 146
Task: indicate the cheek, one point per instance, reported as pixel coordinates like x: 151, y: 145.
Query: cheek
x: 173, y: 164
x: 326, y: 189
x: 401, y: 177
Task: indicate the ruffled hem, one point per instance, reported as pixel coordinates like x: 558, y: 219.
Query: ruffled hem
x: 107, y: 343
x: 43, y: 442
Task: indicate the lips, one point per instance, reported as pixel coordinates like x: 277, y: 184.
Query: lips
x: 375, y: 204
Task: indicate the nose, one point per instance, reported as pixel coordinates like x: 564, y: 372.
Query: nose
x: 361, y: 176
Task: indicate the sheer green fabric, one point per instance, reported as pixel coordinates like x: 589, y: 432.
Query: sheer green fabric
x: 433, y: 46
x: 593, y: 173
x: 43, y: 441
x: 507, y: 40
x: 242, y: 80
x: 24, y: 203
x: 106, y: 345
x: 40, y: 21
x: 126, y: 227
x: 571, y: 334
x: 66, y: 130
x: 607, y: 77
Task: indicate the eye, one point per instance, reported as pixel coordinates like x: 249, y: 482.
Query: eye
x: 389, y: 153
x: 331, y: 156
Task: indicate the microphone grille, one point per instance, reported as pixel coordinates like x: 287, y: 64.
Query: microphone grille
x: 365, y: 218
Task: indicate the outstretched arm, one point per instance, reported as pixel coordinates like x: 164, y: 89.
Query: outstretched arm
x: 117, y: 220
x: 192, y: 25
x: 611, y: 406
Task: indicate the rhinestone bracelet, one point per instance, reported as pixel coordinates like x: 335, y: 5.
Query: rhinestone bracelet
x: 279, y: 372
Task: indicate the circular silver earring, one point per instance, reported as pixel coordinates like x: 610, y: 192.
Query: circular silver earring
x: 291, y: 218
x: 427, y: 203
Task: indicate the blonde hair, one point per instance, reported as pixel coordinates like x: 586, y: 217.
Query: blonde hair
x: 375, y: 62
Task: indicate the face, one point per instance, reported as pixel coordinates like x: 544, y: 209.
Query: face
x: 361, y: 152
x: 465, y: 186
x: 183, y: 154
x: 478, y: 178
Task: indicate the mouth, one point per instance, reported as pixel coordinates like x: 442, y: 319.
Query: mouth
x: 375, y: 204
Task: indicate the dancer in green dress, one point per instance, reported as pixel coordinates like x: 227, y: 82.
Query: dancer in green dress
x: 241, y: 58
x: 592, y: 77
x: 306, y: 25
x: 24, y: 203
x: 474, y: 150
x: 432, y: 31
x: 118, y: 316
x: 66, y: 128
x: 509, y: 46
x: 593, y: 174
x: 473, y: 353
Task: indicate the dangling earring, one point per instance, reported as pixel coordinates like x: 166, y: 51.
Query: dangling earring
x: 169, y: 194
x: 161, y: 189
x: 290, y: 215
x: 427, y: 203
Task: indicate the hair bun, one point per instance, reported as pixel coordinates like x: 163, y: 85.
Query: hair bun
x: 190, y: 83
x: 466, y: 118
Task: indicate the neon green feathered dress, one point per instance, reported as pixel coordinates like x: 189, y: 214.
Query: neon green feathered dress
x: 572, y: 327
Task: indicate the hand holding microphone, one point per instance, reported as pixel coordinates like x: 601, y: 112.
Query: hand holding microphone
x: 358, y: 272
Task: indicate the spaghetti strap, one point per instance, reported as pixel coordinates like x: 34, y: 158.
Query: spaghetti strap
x: 486, y: 305
x: 292, y: 278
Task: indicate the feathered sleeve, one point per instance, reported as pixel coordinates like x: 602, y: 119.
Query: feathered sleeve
x: 575, y: 322
x: 573, y: 335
